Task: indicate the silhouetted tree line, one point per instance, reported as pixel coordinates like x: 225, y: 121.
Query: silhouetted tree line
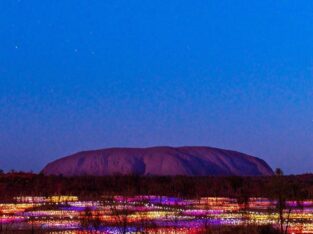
x: 287, y: 187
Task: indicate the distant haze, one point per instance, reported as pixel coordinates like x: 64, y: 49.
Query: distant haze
x: 80, y: 75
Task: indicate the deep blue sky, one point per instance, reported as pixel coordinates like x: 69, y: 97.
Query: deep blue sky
x: 77, y: 75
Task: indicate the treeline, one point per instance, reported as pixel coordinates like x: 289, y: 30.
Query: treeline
x: 28, y: 184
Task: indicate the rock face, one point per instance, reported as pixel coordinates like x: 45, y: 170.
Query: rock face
x: 161, y: 161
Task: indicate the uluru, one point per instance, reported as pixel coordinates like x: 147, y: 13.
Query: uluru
x: 159, y: 161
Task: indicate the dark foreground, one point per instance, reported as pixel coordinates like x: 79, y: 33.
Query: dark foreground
x: 290, y: 187
x: 129, y: 204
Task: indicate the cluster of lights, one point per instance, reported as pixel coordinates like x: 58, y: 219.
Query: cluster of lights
x: 156, y: 214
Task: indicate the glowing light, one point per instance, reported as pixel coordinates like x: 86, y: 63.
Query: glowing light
x: 154, y: 214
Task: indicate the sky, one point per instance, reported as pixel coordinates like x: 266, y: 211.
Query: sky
x: 88, y: 74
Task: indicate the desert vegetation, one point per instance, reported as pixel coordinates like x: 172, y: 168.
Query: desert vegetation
x: 286, y: 187
x: 110, y: 200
